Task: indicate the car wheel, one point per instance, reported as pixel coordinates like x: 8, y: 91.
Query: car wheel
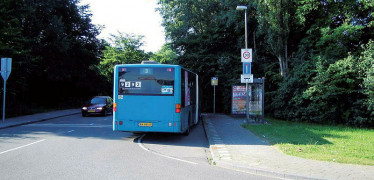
x: 84, y: 114
x: 104, y: 112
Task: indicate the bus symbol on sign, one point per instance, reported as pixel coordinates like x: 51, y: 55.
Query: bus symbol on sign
x: 246, y: 55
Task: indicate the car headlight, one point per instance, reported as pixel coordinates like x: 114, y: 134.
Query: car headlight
x: 99, y: 108
x: 84, y: 108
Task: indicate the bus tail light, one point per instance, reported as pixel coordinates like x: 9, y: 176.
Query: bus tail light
x: 121, y: 123
x: 115, y: 107
x: 177, y: 108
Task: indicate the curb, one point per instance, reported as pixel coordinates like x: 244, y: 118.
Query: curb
x: 231, y: 165
x: 39, y: 120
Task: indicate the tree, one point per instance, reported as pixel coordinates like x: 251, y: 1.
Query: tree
x: 123, y: 49
x: 54, y: 49
x: 274, y: 18
x: 165, y: 55
x: 207, y: 39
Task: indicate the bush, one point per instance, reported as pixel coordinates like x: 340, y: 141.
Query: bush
x: 341, y: 93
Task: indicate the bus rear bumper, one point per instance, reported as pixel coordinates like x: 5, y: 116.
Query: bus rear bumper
x: 144, y: 126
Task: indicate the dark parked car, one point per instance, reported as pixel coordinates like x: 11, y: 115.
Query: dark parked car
x: 101, y: 105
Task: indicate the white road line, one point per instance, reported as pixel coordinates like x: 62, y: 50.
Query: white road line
x: 71, y: 131
x: 22, y: 146
x: 69, y: 125
x: 141, y: 145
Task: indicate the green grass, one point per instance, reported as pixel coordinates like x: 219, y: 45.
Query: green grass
x: 319, y: 142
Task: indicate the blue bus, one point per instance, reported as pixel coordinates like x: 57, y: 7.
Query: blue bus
x: 155, y: 98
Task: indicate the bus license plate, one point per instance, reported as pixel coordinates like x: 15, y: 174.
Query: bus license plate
x: 146, y: 124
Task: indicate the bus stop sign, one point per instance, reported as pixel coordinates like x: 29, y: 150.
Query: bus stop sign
x: 214, y: 81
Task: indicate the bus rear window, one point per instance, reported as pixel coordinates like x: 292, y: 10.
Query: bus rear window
x: 146, y: 81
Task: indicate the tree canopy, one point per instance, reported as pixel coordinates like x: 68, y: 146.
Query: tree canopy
x: 54, y: 49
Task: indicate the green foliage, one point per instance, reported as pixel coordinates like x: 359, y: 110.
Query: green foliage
x: 54, y: 50
x: 274, y: 21
x: 165, y: 55
x: 337, y: 42
x: 326, y: 82
x: 343, y: 92
x: 319, y: 41
x: 208, y: 36
x: 334, y: 91
x: 123, y: 49
x: 367, y: 71
x: 287, y: 102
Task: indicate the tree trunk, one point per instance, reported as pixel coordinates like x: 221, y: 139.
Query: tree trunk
x: 283, y: 65
x: 254, y: 41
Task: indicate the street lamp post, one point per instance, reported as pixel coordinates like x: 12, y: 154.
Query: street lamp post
x: 246, y: 47
x: 245, y: 19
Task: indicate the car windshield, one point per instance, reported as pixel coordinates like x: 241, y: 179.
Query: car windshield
x: 98, y: 100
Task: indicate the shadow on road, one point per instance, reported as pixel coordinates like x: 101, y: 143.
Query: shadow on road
x: 98, y: 127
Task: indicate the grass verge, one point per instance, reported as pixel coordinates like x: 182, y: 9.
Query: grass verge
x: 319, y: 142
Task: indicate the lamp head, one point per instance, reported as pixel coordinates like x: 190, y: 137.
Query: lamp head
x: 241, y: 7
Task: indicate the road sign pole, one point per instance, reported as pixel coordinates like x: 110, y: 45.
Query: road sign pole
x: 247, y: 101
x: 4, y: 101
x: 6, y: 68
x: 214, y: 99
x: 263, y: 100
x: 214, y: 83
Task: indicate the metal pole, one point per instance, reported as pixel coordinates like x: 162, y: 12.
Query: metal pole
x: 246, y: 41
x: 214, y: 100
x: 247, y: 101
x: 263, y: 100
x: 4, y: 101
x: 246, y: 83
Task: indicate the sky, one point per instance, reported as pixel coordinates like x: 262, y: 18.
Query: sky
x: 129, y: 16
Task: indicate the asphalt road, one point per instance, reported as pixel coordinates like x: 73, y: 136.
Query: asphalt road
x: 76, y: 147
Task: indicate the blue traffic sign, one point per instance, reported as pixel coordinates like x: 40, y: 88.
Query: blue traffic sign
x: 6, y: 67
x: 247, y: 68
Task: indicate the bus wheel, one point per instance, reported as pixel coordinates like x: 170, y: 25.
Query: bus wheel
x: 187, y: 132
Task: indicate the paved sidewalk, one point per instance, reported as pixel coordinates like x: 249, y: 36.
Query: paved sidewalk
x: 21, y: 120
x: 232, y: 146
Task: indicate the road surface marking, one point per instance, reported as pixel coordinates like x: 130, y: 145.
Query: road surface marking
x: 71, y: 131
x: 141, y: 145
x: 22, y: 146
x: 69, y: 125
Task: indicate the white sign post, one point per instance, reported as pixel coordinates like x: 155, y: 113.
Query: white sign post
x: 6, y: 68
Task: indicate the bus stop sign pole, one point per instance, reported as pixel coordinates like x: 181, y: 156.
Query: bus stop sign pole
x: 214, y: 82
x: 6, y: 68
